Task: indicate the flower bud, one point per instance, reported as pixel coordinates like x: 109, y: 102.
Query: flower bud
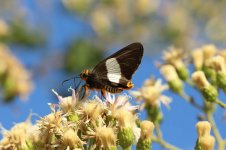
x: 125, y: 137
x: 170, y: 74
x: 197, y: 56
x: 209, y: 51
x: 207, y: 142
x: 147, y: 128
x: 203, y: 128
x: 183, y: 73
x: 70, y: 138
x: 200, y: 80
x: 209, y: 92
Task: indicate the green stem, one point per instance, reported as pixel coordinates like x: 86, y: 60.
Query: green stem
x: 223, y: 105
x: 190, y: 100
x: 159, y: 139
x: 221, y: 143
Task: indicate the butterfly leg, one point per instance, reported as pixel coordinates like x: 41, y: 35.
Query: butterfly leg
x: 86, y: 89
x: 103, y: 93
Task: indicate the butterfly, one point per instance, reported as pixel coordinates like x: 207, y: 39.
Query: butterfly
x: 114, y: 73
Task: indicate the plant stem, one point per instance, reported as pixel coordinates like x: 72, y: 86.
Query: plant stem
x: 159, y: 139
x: 223, y: 105
x: 190, y: 100
x: 221, y: 143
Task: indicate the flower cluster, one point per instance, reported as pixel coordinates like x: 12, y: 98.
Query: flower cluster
x: 14, y: 78
x: 74, y: 124
x: 209, y: 74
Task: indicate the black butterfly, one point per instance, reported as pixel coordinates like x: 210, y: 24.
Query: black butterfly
x: 114, y: 73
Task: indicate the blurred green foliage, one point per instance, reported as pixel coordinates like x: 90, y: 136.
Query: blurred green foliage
x: 82, y: 55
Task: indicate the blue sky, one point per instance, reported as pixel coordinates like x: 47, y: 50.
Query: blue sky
x: 179, y: 122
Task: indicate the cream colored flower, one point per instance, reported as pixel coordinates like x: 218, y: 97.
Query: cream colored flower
x: 200, y: 80
x: 151, y: 93
x: 67, y: 103
x: 114, y: 103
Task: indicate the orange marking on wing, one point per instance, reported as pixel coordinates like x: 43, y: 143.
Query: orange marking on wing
x: 129, y: 85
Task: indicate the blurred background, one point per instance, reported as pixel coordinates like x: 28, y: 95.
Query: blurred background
x: 44, y: 42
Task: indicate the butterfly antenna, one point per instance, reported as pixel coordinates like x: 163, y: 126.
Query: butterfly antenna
x: 69, y: 80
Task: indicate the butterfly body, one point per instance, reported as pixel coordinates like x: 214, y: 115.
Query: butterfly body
x: 114, y: 73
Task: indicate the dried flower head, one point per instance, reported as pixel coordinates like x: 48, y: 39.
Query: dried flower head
x: 200, y: 80
x: 125, y: 118
x: 71, y: 139
x: 203, y: 128
x: 147, y: 128
x: 91, y: 110
x: 15, y: 138
x: 106, y: 137
x: 50, y: 125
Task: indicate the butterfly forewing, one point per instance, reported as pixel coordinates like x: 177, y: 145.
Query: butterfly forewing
x: 120, y: 66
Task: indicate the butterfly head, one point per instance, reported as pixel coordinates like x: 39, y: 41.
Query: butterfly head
x: 84, y: 74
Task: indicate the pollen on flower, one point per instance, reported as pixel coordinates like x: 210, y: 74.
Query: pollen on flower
x: 200, y: 80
